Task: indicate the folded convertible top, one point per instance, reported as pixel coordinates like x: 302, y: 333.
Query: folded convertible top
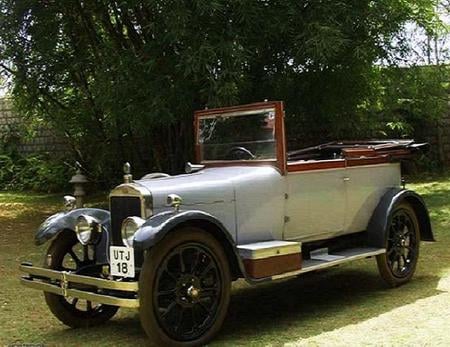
x: 394, y: 149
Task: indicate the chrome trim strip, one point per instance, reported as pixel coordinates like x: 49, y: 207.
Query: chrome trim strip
x: 38, y: 271
x: 73, y: 278
x: 103, y: 299
x: 46, y: 287
x: 100, y: 298
x: 103, y: 283
x: 135, y: 190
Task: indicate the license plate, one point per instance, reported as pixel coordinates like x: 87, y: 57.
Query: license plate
x: 122, y: 261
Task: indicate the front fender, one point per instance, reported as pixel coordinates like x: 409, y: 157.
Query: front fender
x: 378, y: 224
x: 54, y: 224
x: 156, y: 227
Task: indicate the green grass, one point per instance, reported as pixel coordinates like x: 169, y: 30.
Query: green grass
x: 348, y: 305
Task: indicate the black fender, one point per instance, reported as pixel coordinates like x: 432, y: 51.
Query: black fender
x: 158, y: 226
x: 58, y: 222
x: 378, y: 224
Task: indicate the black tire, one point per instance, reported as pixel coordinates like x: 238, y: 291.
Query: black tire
x: 398, y: 264
x: 184, y: 289
x: 70, y: 311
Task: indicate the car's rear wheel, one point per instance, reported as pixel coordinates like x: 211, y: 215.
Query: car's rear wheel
x: 398, y: 264
x: 184, y: 289
x: 67, y: 254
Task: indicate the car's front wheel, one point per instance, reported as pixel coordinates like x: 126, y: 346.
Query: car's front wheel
x: 398, y: 264
x: 67, y: 254
x: 184, y: 289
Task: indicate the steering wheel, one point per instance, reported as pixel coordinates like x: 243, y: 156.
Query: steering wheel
x: 239, y: 153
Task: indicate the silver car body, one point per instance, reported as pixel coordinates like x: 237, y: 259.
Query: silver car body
x: 257, y: 203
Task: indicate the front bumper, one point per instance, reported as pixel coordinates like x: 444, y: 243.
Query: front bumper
x: 67, y: 284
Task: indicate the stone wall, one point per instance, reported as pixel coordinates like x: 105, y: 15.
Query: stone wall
x: 436, y: 133
x: 45, y: 139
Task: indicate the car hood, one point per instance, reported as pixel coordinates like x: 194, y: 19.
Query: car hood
x: 208, y: 186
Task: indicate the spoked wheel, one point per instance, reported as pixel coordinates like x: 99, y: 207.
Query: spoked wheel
x: 67, y: 254
x: 398, y: 264
x: 184, y: 289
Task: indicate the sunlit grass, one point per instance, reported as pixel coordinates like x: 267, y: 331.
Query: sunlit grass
x: 349, y: 305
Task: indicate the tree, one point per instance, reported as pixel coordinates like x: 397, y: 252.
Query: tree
x: 121, y: 79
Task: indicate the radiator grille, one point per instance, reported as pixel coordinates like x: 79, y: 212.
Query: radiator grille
x: 121, y: 208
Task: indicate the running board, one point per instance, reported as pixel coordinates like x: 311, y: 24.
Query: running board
x: 336, y: 258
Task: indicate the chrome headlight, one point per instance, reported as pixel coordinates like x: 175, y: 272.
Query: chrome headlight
x: 88, y: 229
x: 129, y: 227
x: 69, y: 202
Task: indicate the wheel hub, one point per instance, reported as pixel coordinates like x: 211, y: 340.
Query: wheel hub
x: 193, y: 292
x: 188, y: 290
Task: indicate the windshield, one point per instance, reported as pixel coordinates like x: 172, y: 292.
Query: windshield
x: 246, y: 136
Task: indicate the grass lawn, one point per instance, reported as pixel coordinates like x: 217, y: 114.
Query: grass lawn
x: 348, y: 305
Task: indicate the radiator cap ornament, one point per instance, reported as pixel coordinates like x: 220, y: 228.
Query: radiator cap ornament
x: 127, y: 176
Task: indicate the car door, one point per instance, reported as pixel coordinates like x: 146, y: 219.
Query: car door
x: 315, y: 202
x: 365, y: 186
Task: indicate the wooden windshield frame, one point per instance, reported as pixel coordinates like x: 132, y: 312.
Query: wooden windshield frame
x: 279, y: 162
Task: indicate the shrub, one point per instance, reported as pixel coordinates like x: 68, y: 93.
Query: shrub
x: 37, y: 172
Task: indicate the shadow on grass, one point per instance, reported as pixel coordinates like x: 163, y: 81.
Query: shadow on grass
x: 315, y: 303
x: 283, y: 311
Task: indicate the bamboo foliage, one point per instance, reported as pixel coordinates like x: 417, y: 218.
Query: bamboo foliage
x: 121, y: 79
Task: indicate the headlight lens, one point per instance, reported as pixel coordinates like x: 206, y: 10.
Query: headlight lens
x: 129, y: 227
x: 69, y: 202
x: 87, y: 229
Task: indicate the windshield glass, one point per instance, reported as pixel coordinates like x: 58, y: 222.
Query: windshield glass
x: 246, y: 136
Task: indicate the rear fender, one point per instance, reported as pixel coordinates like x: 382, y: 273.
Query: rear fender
x: 378, y: 224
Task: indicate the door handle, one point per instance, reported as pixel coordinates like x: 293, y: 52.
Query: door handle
x: 346, y: 179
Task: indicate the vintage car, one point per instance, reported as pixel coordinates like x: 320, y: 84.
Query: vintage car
x: 171, y: 245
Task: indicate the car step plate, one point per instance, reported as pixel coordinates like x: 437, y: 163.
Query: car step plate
x: 322, y: 254
x: 345, y: 256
